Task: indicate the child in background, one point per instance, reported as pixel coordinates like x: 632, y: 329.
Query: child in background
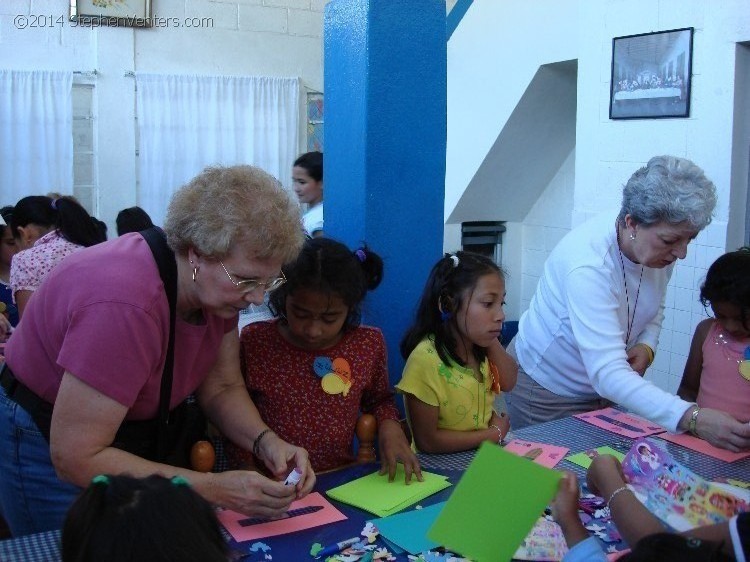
x: 717, y: 372
x: 639, y: 527
x: 307, y: 176
x: 132, y: 219
x: 46, y: 231
x: 122, y: 519
x: 455, y: 364
x: 7, y: 250
x: 311, y: 371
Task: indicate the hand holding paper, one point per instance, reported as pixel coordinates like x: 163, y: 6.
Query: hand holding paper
x: 494, y: 505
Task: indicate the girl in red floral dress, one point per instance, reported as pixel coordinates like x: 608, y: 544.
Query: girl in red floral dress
x: 314, y: 369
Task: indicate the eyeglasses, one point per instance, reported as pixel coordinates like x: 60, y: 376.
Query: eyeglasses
x: 249, y: 285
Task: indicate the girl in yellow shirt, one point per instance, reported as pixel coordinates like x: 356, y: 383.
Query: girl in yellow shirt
x: 455, y: 365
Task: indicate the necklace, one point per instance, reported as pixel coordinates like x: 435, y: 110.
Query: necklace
x: 625, y: 282
x: 743, y: 364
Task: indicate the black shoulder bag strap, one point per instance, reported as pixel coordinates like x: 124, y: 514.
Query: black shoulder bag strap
x: 167, y: 264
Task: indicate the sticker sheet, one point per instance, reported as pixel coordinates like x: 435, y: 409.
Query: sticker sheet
x: 674, y: 493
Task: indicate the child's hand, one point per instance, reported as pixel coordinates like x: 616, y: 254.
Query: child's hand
x: 502, y: 421
x: 394, y: 447
x: 565, y: 505
x: 604, y: 475
x: 565, y: 510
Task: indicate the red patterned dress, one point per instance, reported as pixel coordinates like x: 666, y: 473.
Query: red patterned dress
x: 313, y: 398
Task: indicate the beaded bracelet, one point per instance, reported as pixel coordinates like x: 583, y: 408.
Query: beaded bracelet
x: 500, y: 431
x: 617, y: 491
x: 256, y: 443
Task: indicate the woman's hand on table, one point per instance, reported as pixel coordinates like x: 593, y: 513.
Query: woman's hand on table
x: 281, y: 458
x: 395, y: 448
x: 720, y: 429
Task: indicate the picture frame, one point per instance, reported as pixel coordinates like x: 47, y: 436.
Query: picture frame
x: 651, y: 75
x: 111, y: 13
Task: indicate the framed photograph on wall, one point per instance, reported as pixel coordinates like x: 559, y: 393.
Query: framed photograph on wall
x: 111, y: 13
x: 651, y: 75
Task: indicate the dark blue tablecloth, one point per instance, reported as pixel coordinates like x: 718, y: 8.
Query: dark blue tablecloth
x: 568, y: 432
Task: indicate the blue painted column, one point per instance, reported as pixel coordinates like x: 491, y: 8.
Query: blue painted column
x: 385, y: 96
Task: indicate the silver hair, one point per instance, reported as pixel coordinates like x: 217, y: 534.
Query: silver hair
x: 669, y: 189
x: 237, y: 205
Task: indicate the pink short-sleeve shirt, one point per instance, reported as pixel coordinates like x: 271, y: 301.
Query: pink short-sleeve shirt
x: 102, y: 315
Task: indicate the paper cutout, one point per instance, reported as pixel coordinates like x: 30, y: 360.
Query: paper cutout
x: 494, y: 505
x: 408, y: 530
x: 698, y: 444
x: 621, y: 423
x: 545, y: 542
x: 232, y: 520
x: 375, y: 494
x: 541, y: 453
x: 336, y: 375
x: 584, y: 458
x: 674, y: 493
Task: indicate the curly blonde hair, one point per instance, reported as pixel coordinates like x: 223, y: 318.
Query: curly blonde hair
x: 225, y: 206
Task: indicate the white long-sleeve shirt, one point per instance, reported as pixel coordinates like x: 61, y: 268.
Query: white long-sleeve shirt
x: 571, y: 340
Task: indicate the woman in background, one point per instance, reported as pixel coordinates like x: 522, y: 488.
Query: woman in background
x: 307, y: 175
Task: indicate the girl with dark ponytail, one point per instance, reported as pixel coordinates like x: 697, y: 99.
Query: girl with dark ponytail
x: 46, y: 230
x: 313, y: 369
x: 455, y: 365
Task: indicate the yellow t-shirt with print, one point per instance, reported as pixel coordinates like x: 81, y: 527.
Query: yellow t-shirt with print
x: 464, y: 402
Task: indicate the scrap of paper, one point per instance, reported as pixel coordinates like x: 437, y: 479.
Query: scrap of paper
x: 621, y: 423
x: 674, y: 493
x: 584, y: 458
x: 698, y: 444
x: 541, y: 453
x: 311, y: 511
x: 375, y: 494
x: 544, y: 542
x: 470, y: 521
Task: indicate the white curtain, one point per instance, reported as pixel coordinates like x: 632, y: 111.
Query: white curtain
x: 36, y: 133
x: 186, y: 123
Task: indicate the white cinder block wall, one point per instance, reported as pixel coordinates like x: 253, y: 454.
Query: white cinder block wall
x: 244, y: 37
x: 607, y: 152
